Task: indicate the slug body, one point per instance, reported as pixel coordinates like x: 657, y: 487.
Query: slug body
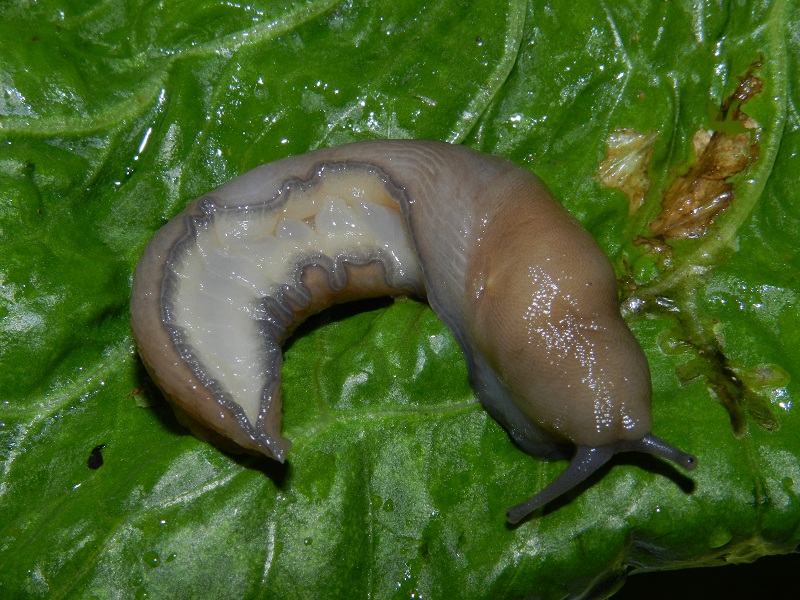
x: 527, y: 292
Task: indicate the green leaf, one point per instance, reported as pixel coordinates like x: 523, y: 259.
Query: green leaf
x: 114, y: 116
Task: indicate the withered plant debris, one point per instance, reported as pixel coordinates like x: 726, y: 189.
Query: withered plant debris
x: 741, y: 391
x: 688, y: 208
x: 625, y: 165
x: 733, y: 393
x: 694, y: 199
x: 657, y: 246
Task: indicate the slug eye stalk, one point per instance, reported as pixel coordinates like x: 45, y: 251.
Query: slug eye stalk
x: 588, y: 460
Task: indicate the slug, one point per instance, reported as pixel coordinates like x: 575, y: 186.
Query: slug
x: 528, y: 294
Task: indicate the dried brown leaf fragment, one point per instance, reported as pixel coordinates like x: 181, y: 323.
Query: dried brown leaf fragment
x: 694, y: 199
x: 625, y: 165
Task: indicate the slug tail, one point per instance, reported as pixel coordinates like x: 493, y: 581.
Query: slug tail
x: 585, y: 462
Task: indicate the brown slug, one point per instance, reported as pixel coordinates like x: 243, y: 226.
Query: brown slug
x: 527, y: 292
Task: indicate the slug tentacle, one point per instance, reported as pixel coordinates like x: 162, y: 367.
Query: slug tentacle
x: 585, y: 462
x: 651, y: 444
x: 588, y: 460
x: 528, y: 294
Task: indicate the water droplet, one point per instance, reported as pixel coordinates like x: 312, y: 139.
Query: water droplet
x: 151, y: 559
x: 308, y: 541
x: 172, y: 557
x: 388, y: 506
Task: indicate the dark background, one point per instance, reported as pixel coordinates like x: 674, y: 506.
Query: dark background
x: 770, y: 578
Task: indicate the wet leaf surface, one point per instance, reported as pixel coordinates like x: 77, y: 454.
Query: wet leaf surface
x: 114, y: 116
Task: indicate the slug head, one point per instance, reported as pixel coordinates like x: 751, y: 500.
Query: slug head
x: 545, y: 315
x: 543, y: 312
